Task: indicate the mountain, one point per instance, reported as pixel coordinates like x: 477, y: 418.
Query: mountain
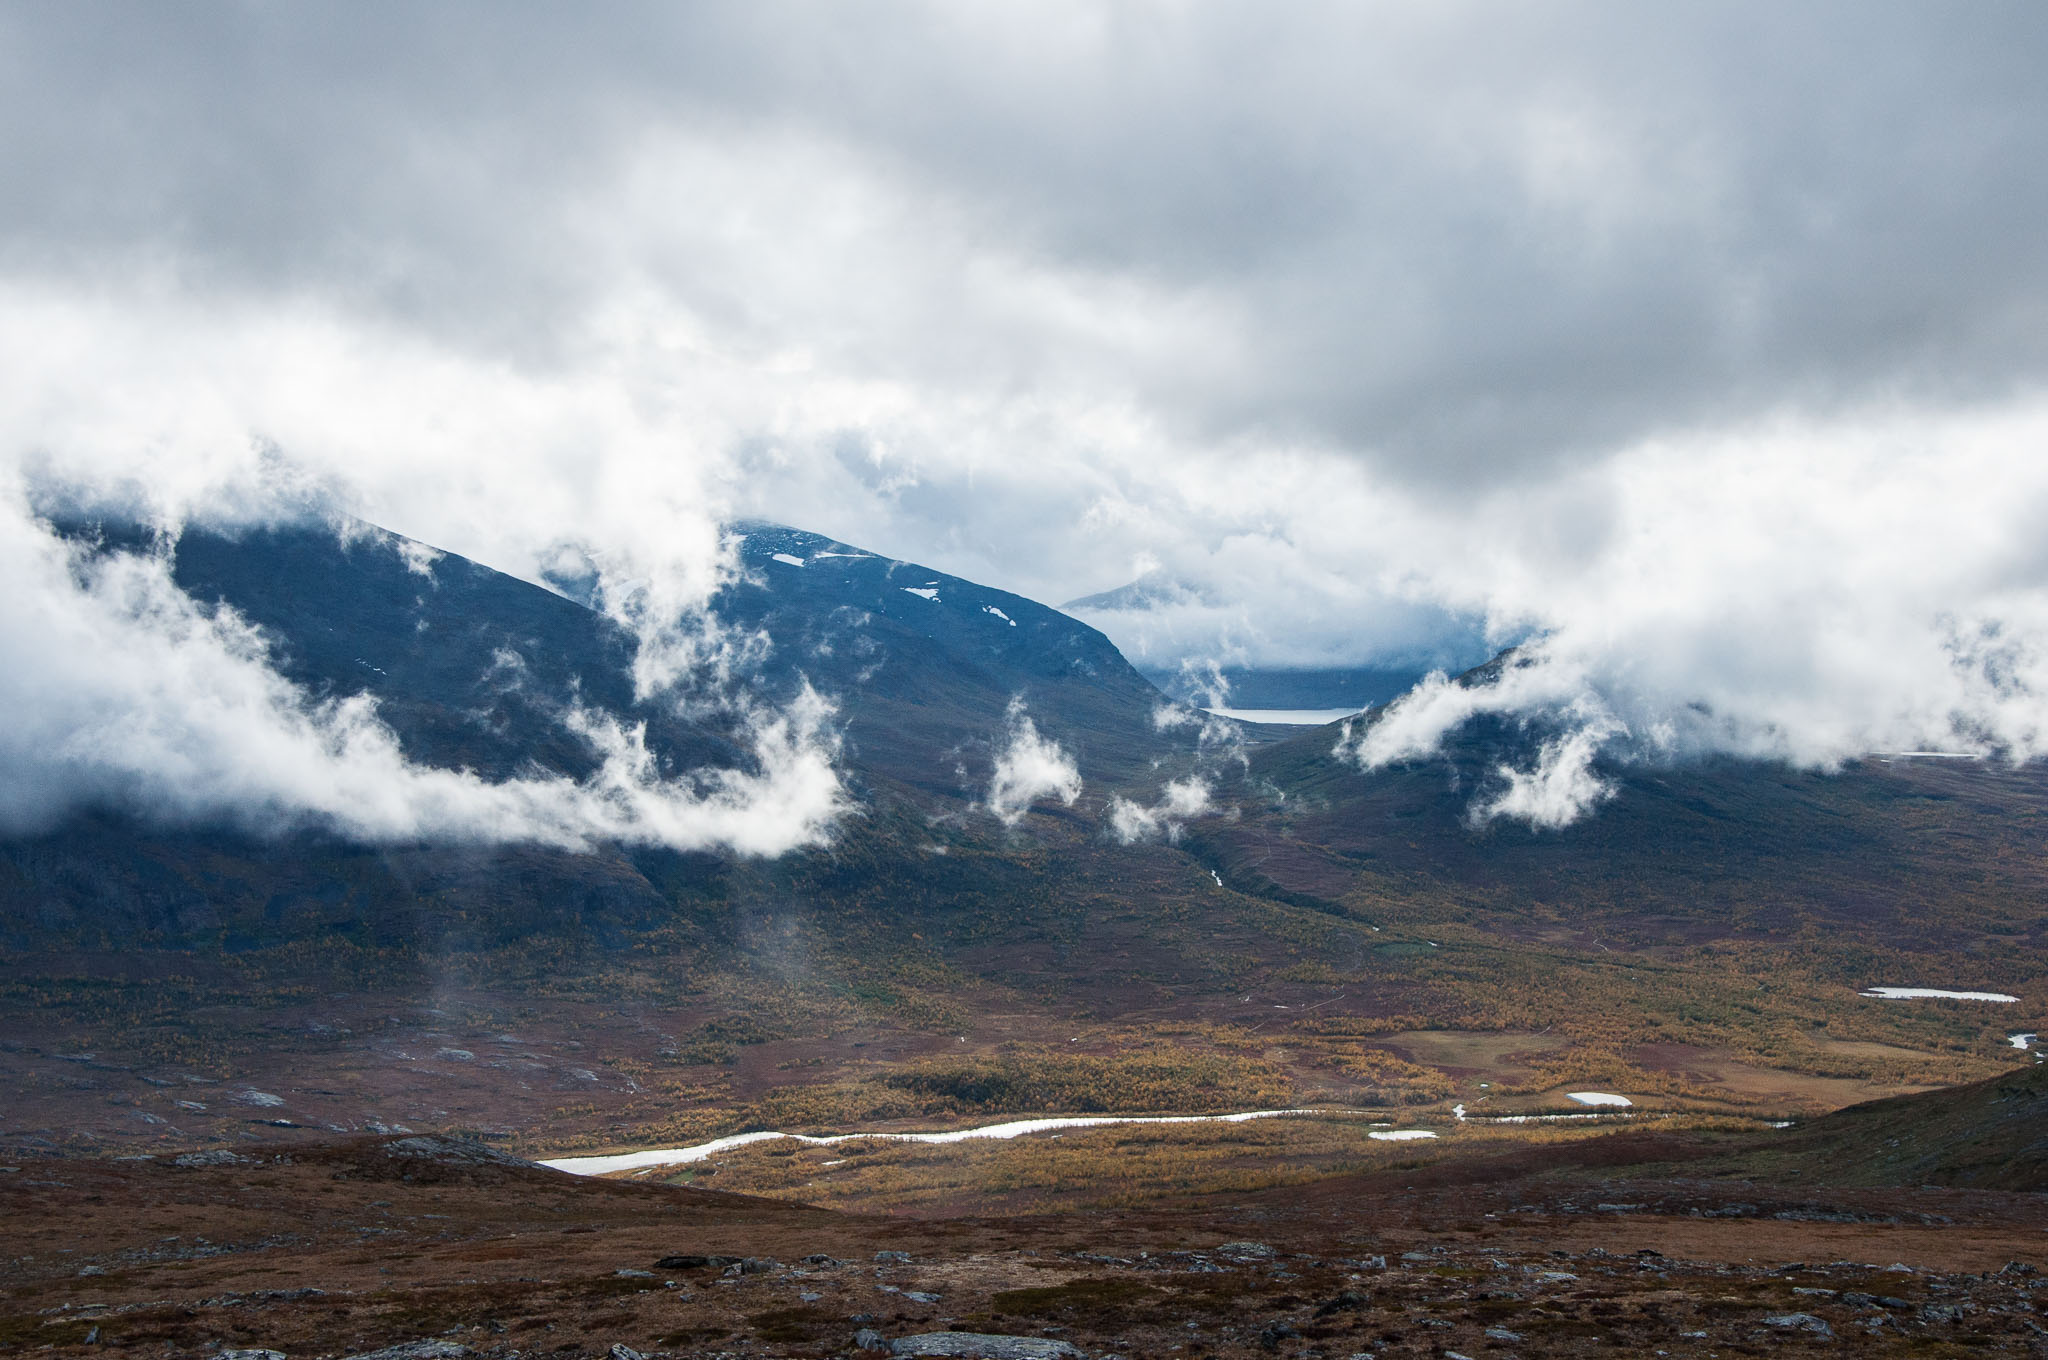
x: 1312, y: 933
x: 472, y: 668
x: 926, y: 665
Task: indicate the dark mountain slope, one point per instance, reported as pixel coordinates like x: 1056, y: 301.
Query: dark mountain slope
x: 925, y: 665
x: 1930, y: 851
x: 1989, y: 1135
x: 470, y: 667
x: 475, y: 669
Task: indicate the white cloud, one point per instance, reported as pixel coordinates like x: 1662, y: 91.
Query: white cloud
x: 1029, y: 767
x: 1559, y: 790
x: 122, y: 691
x: 1801, y: 591
x: 1181, y: 801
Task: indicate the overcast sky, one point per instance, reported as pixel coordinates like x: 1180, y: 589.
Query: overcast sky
x: 1704, y: 343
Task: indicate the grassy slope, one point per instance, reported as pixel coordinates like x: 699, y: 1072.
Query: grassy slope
x: 1989, y: 1135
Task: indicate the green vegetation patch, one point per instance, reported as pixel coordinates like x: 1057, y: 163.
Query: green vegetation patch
x: 1099, y: 1298
x: 1173, y: 1081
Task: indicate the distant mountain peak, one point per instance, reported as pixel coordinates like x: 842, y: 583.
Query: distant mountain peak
x: 1150, y: 591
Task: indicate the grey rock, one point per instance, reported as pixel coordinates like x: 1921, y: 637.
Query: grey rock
x: 984, y: 1345
x: 453, y: 1152
x: 1246, y: 1251
x: 1800, y: 1322
x: 211, y: 1157
x: 919, y: 1296
x: 621, y: 1351
x: 427, y: 1349
x: 898, y: 1257
x: 696, y: 1262
x: 627, y: 1273
x: 1502, y: 1334
x: 1941, y: 1312
x: 868, y: 1339
x: 255, y: 1354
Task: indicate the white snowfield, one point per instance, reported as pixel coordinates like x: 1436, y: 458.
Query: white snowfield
x: 1400, y: 1135
x: 1015, y: 1128
x: 1598, y: 1098
x: 787, y: 560
x: 1936, y: 993
x: 928, y: 592
x: 2020, y: 1041
x: 991, y: 609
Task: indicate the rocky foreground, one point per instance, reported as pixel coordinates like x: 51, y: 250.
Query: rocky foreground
x: 446, y: 1248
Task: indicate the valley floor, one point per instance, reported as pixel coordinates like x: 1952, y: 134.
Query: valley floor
x: 1636, y: 1243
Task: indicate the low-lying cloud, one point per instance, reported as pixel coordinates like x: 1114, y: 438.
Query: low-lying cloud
x: 123, y: 692
x: 1180, y: 802
x: 1029, y: 767
x: 1801, y: 592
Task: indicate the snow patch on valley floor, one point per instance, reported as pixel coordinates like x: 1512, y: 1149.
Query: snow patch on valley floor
x: 1400, y: 1135
x: 1931, y: 993
x: 631, y: 1161
x: 1598, y: 1098
x: 2021, y: 1041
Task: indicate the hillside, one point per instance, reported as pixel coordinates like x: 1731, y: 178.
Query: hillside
x: 1989, y: 1135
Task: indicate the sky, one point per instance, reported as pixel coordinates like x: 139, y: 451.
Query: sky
x: 1698, y: 349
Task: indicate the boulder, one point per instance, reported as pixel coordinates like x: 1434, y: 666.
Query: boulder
x: 428, y: 1348
x: 211, y: 1157
x: 1800, y: 1322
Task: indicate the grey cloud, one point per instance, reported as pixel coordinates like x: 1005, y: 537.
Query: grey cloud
x: 1704, y: 343
x: 1445, y: 238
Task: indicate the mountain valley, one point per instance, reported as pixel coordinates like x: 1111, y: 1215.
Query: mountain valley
x: 1307, y: 935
